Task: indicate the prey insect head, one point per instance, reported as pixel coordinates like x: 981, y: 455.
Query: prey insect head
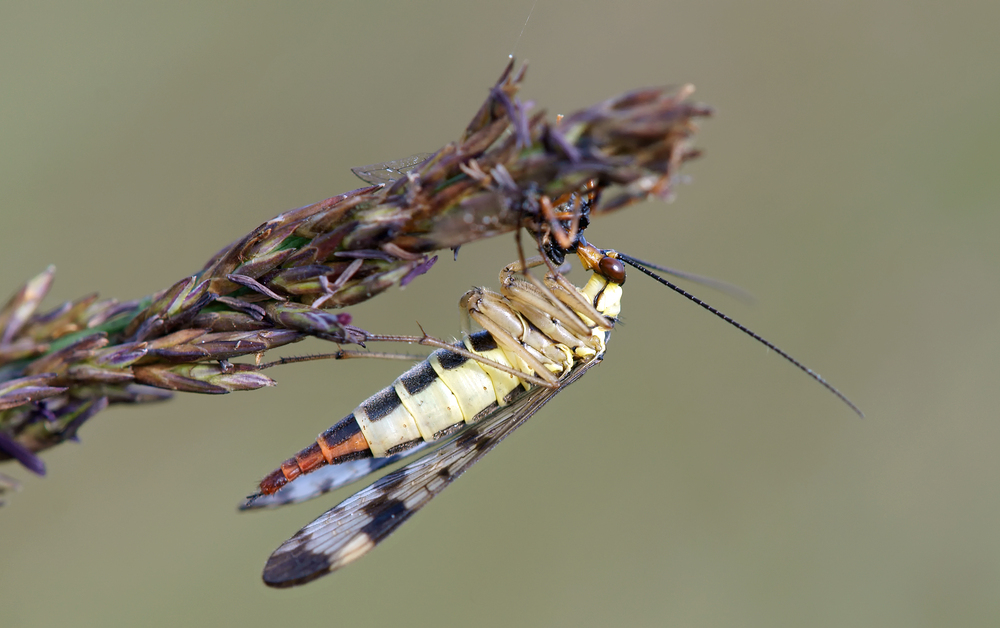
x: 561, y: 221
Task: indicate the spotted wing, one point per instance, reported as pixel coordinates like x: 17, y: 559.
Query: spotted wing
x: 348, y: 531
x: 324, y: 480
x: 389, y: 171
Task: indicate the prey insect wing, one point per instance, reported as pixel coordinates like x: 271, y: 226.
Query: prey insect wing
x: 326, y: 479
x: 389, y: 171
x: 359, y: 523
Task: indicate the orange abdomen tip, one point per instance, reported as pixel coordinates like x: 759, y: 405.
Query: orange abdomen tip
x: 342, y: 442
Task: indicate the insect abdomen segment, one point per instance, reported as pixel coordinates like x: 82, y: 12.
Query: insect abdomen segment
x: 342, y: 442
x: 430, y: 398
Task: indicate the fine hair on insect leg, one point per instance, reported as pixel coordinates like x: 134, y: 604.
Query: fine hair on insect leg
x: 425, y: 340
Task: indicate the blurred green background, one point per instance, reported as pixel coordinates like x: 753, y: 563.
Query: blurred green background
x: 849, y: 182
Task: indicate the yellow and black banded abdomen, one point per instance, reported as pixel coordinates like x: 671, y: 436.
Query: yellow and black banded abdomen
x: 435, y: 397
x: 448, y: 390
x: 429, y: 401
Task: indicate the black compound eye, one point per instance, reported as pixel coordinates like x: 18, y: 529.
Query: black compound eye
x: 613, y: 269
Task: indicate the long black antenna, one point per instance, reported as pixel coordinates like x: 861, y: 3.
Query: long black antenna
x: 631, y: 261
x: 726, y: 288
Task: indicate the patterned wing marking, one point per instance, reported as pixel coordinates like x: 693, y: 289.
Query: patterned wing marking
x: 359, y: 523
x: 326, y: 479
x: 389, y: 171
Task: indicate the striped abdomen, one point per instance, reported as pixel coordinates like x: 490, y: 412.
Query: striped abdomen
x: 441, y: 394
x: 427, y: 402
